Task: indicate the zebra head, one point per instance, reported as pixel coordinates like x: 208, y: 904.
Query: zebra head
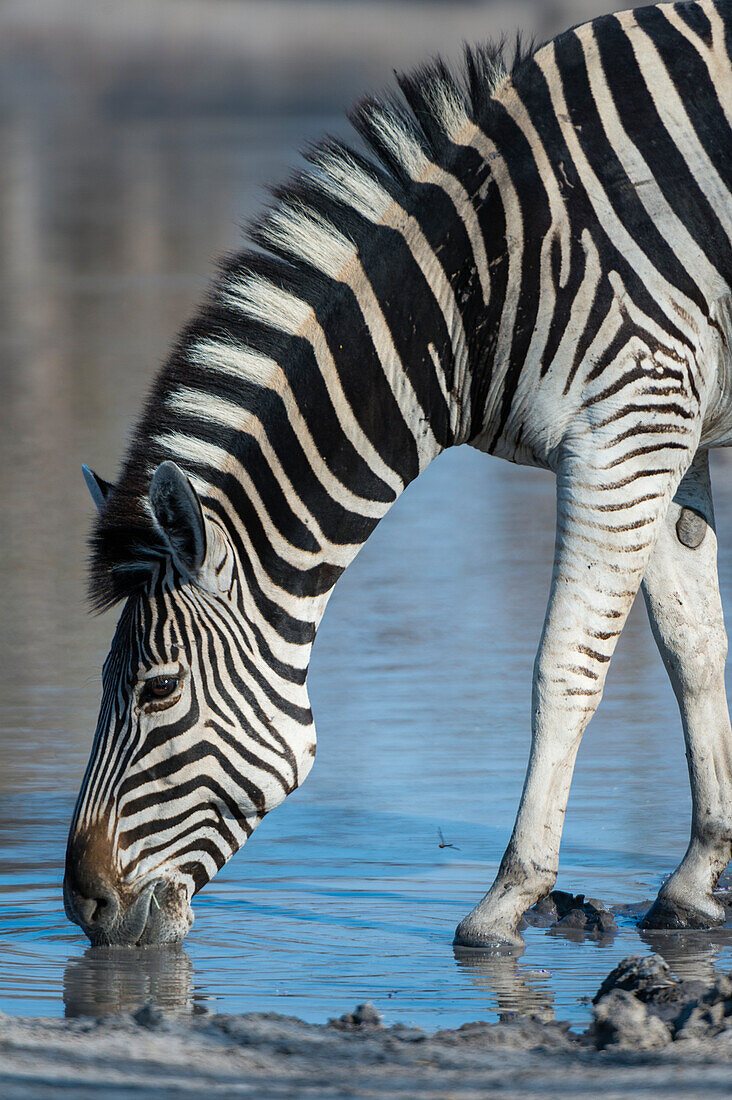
x: 198, y: 736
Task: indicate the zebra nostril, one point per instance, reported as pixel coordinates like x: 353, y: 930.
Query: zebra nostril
x: 95, y: 912
x: 91, y: 898
x: 99, y: 906
x: 88, y: 909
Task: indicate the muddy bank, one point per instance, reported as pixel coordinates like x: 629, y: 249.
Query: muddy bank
x: 650, y: 1033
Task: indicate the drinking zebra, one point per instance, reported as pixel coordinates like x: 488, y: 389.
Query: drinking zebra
x: 534, y: 259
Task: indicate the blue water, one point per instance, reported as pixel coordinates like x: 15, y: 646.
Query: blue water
x: 420, y: 686
x: 421, y: 674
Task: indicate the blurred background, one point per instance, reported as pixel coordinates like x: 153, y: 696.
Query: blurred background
x: 135, y: 138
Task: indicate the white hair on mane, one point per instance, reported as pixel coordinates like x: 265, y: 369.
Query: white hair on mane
x: 205, y: 406
x: 237, y: 360
x: 447, y: 105
x: 304, y: 234
x: 397, y: 137
x: 191, y: 449
x: 496, y: 71
x: 267, y: 303
x: 339, y: 175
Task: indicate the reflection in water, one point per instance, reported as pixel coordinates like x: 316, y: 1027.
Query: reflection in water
x: 512, y: 988
x: 120, y: 979
x: 692, y: 956
x: 515, y: 988
x: 577, y: 935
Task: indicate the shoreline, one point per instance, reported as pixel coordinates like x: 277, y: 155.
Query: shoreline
x: 650, y: 1031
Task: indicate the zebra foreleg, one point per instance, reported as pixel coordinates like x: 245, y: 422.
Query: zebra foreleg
x: 607, y: 524
x: 681, y: 590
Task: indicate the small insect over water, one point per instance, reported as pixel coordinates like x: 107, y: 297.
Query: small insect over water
x: 442, y: 843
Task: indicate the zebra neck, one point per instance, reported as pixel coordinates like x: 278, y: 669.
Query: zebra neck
x: 320, y: 379
x: 339, y: 399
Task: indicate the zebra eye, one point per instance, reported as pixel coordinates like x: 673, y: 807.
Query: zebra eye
x: 159, y: 687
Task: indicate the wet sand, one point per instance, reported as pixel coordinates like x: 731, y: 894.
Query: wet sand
x: 650, y: 1034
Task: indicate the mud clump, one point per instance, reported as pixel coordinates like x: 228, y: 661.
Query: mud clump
x: 708, y: 1015
x: 647, y: 977
x: 148, y: 1016
x: 622, y: 1021
x: 572, y: 914
x: 642, y: 1006
x: 363, y: 1017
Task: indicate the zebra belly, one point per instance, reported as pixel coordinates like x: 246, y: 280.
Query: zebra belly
x: 717, y: 422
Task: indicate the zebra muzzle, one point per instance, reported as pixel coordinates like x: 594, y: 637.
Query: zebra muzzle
x: 157, y: 914
x: 112, y: 910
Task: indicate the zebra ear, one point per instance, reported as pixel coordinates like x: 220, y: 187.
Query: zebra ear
x: 97, y: 486
x: 178, y: 511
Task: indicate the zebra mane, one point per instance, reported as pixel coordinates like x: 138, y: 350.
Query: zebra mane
x: 306, y: 235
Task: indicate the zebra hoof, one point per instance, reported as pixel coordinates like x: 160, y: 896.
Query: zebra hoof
x: 474, y: 936
x: 668, y: 914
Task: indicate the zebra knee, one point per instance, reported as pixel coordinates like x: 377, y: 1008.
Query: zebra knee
x: 570, y: 685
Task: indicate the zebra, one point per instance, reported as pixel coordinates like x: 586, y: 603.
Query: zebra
x: 528, y: 254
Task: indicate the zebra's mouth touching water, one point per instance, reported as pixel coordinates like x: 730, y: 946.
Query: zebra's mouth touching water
x: 159, y: 914
x: 169, y: 916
